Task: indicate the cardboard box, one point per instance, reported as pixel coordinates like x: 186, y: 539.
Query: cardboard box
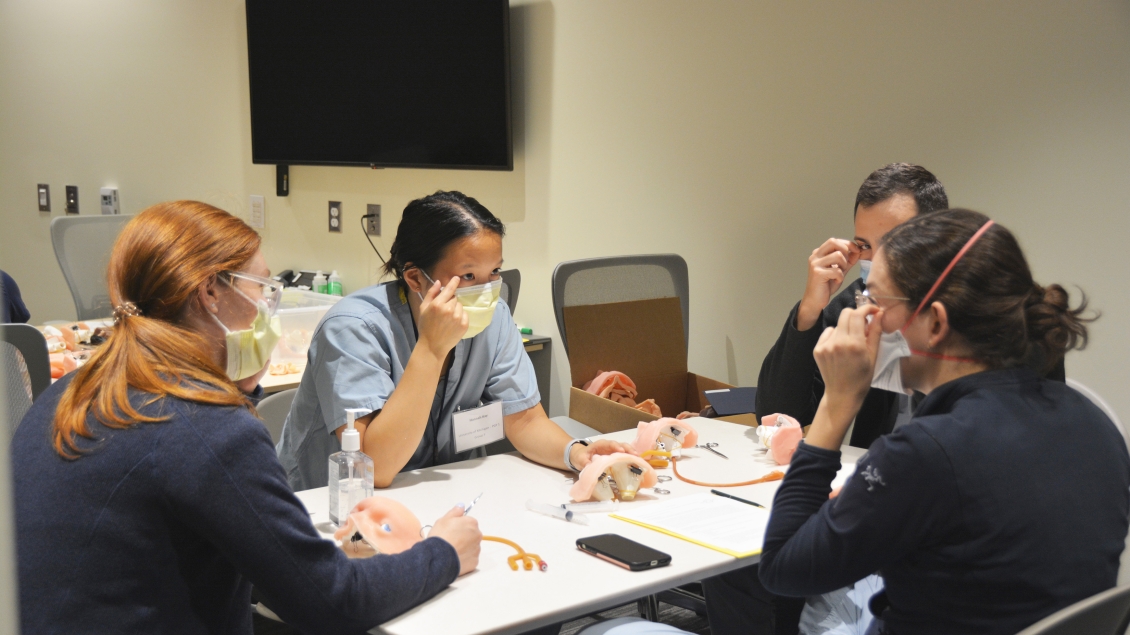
x: 644, y: 340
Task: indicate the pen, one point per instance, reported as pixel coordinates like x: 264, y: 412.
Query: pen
x: 471, y: 505
x: 740, y: 500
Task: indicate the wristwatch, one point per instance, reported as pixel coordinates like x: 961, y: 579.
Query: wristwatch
x: 569, y: 447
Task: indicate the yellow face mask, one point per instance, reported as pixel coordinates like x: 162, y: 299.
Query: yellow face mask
x: 249, y: 349
x: 478, y: 303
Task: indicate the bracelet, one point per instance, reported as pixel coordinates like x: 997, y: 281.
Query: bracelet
x: 568, y: 447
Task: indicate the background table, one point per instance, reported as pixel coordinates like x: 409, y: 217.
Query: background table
x: 494, y: 599
x: 538, y: 347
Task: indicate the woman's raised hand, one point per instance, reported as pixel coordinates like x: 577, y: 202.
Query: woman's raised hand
x: 846, y: 356
x: 442, y: 320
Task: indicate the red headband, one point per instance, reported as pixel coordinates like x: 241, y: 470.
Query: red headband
x: 938, y: 283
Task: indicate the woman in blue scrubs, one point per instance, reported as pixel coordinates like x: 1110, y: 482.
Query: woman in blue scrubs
x: 413, y: 352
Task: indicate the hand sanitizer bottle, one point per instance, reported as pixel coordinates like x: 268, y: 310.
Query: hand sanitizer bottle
x: 334, y: 284
x: 351, y: 471
x: 320, y: 285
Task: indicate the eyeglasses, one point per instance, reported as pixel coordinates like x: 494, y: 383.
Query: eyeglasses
x: 267, y: 290
x: 864, y: 298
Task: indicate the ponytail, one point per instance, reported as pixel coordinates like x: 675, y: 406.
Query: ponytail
x: 1053, y: 326
x: 158, y: 263
x: 992, y: 302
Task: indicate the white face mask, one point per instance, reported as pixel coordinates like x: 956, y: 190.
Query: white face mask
x: 893, y: 347
x: 478, y: 303
x: 864, y: 270
x: 888, y: 363
x: 249, y: 349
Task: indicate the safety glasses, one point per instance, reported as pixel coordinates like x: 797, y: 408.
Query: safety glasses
x: 257, y: 288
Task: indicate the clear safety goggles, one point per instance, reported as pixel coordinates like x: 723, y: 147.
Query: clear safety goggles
x: 864, y: 298
x: 257, y: 288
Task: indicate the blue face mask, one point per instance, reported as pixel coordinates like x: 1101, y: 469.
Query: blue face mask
x: 864, y: 270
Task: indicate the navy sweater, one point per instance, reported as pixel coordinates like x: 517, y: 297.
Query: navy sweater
x: 163, y: 527
x: 1004, y: 500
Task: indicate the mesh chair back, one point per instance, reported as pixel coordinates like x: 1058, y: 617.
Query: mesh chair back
x: 511, y: 282
x: 82, y: 247
x: 273, y: 410
x: 1106, y: 613
x: 620, y: 279
x: 26, y: 368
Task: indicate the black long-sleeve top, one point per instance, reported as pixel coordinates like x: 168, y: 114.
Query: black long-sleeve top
x: 163, y: 527
x: 1004, y: 500
x: 790, y: 382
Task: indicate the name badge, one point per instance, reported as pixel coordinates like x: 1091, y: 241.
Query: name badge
x: 478, y: 426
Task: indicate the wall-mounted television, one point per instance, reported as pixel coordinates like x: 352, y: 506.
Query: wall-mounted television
x: 380, y: 83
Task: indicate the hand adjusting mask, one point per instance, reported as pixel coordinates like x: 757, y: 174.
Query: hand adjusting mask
x: 893, y: 346
x: 478, y: 302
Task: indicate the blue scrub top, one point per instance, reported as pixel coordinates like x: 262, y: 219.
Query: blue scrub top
x: 357, y: 356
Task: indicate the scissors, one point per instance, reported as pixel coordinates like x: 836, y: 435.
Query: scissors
x: 710, y: 446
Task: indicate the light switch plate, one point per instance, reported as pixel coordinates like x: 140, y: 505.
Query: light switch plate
x: 72, y: 199
x: 43, y: 194
x: 109, y: 199
x: 373, y: 220
x: 335, y: 216
x: 258, y: 215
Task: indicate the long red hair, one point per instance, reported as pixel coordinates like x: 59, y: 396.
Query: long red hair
x: 159, y: 262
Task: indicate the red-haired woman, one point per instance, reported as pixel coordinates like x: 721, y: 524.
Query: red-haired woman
x: 148, y: 495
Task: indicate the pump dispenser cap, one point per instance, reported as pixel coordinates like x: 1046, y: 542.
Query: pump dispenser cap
x: 350, y: 437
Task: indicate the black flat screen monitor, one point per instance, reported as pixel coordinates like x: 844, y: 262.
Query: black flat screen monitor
x: 381, y: 83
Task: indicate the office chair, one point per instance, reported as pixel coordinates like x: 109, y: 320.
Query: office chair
x: 511, y: 282
x: 273, y: 410
x: 82, y: 247
x: 1100, y: 402
x: 620, y: 279
x: 624, y: 279
x: 26, y: 368
x: 1106, y: 613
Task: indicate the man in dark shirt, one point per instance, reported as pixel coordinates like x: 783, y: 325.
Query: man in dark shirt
x: 790, y: 383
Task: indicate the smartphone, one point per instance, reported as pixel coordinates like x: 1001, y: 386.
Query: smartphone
x: 623, y: 552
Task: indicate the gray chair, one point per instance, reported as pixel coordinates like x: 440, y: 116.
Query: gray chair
x: 1106, y: 613
x: 620, y: 279
x: 511, y: 282
x: 26, y: 367
x: 1098, y: 401
x: 82, y: 247
x: 273, y: 410
x: 624, y: 279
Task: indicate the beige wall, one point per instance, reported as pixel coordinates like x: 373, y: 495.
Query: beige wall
x: 733, y: 133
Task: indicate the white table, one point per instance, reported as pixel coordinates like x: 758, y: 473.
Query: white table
x: 494, y: 599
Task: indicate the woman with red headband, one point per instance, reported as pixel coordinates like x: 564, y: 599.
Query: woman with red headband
x: 1006, y: 497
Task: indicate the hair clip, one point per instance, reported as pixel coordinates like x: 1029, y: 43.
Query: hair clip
x: 125, y: 309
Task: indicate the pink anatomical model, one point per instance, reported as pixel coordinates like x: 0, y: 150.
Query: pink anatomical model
x: 382, y: 524
x: 626, y: 472
x: 672, y: 433
x: 781, y: 434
